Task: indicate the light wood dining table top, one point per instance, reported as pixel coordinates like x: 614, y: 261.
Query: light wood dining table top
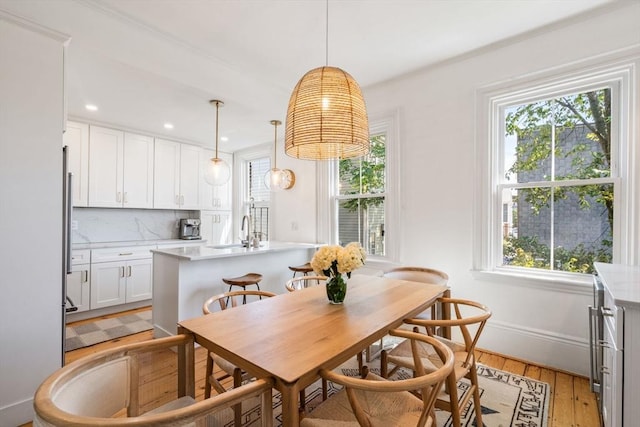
x: 292, y: 336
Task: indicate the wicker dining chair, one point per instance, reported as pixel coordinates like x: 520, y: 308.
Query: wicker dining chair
x: 112, y: 388
x: 302, y: 282
x: 229, y: 369
x: 469, y: 320
x: 374, y: 401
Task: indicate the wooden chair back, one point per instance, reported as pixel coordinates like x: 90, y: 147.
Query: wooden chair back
x: 302, y: 282
x: 111, y: 388
x: 418, y: 274
x: 233, y: 296
x: 428, y: 383
x: 470, y: 319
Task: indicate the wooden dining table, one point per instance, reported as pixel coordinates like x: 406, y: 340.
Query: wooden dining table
x: 292, y: 336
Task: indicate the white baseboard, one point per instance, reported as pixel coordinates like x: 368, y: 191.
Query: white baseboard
x: 17, y: 413
x: 546, y: 348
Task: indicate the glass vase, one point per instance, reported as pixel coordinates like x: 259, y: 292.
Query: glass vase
x: 336, y: 289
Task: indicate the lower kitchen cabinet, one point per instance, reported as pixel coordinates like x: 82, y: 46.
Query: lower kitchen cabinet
x: 620, y: 312
x: 78, y: 288
x: 78, y: 285
x: 126, y: 279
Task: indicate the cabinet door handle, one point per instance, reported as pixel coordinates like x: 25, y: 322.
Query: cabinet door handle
x: 119, y: 197
x: 181, y: 200
x: 606, y: 311
x: 177, y: 199
x: 122, y: 271
x: 129, y: 271
x: 126, y: 199
x: 85, y: 276
x: 125, y: 253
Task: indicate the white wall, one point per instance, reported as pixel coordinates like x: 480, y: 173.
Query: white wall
x: 31, y: 123
x: 294, y: 210
x: 539, y: 322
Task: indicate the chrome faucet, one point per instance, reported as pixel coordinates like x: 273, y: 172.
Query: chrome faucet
x: 246, y: 241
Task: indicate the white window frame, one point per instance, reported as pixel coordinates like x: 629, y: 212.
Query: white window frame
x: 618, y: 71
x: 328, y: 176
x: 241, y: 158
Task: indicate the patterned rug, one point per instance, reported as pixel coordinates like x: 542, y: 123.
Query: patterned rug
x: 506, y: 400
x: 106, y: 329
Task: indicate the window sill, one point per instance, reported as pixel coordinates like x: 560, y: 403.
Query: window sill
x: 581, y: 284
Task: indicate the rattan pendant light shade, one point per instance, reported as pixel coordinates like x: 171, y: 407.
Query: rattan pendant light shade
x: 327, y: 117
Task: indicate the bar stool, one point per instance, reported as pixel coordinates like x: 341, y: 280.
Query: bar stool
x: 244, y: 281
x: 304, y: 269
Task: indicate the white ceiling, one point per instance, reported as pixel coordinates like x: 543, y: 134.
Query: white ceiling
x: 147, y: 62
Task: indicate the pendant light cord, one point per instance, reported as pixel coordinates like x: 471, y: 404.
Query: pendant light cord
x: 275, y: 144
x: 217, y: 106
x: 326, y: 32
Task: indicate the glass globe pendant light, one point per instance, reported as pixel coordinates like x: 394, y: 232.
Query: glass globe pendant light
x: 217, y: 171
x: 273, y: 179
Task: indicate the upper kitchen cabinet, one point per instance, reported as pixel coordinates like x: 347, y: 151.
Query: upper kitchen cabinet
x: 120, y: 169
x: 215, y: 197
x: 176, y: 176
x: 76, y: 138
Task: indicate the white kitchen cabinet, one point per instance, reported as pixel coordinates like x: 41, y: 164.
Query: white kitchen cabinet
x: 76, y: 137
x: 215, y: 197
x: 620, y: 386
x: 176, y: 176
x: 215, y: 227
x: 121, y: 275
x: 139, y: 284
x: 120, y: 169
x: 78, y: 285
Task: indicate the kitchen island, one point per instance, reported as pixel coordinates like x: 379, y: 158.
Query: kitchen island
x: 183, y: 278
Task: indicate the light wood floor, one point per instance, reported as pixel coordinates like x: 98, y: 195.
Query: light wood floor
x: 571, y: 405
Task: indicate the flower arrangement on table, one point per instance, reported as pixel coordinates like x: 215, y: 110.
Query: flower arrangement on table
x: 333, y: 262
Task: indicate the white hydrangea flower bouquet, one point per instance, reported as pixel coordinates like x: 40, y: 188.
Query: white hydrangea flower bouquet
x: 333, y: 262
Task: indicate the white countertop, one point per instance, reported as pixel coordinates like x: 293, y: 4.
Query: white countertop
x: 622, y: 282
x: 204, y: 252
x: 100, y: 245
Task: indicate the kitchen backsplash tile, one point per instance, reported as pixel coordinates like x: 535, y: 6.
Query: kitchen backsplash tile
x: 109, y: 225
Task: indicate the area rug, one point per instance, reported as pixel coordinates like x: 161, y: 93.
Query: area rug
x: 106, y: 329
x: 506, y: 400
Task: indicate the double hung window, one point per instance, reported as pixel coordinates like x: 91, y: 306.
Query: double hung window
x: 556, y: 163
x: 361, y: 198
x: 365, y: 196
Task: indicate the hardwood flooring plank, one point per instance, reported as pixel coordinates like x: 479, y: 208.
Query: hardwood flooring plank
x: 532, y: 371
x: 492, y: 360
x: 563, y: 410
x: 549, y: 377
x: 514, y: 366
x: 585, y: 403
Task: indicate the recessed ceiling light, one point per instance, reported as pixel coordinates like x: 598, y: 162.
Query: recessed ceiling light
x: 91, y: 107
x: 168, y: 126
x: 224, y: 138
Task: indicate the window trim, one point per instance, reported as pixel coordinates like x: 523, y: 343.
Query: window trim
x: 240, y: 179
x: 327, y: 176
x: 619, y: 68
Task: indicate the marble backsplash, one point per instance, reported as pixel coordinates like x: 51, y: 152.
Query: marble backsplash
x: 115, y: 225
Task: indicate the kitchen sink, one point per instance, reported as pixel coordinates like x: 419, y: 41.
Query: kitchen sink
x: 232, y: 246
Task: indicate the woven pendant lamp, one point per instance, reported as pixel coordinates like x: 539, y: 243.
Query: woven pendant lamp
x: 327, y: 116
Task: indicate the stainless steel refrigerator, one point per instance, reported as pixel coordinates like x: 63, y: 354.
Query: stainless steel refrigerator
x: 67, y: 209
